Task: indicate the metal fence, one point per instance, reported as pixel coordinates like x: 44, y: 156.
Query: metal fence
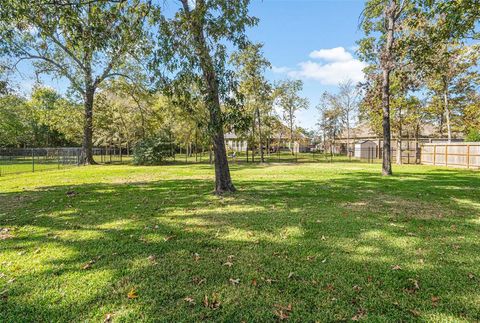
x: 23, y: 160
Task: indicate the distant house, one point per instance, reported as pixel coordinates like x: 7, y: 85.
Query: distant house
x: 366, y: 149
x: 273, y: 143
x: 427, y: 133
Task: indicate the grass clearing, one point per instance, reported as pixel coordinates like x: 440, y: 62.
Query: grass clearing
x: 324, y: 242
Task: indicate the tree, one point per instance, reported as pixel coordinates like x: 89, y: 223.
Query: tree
x: 193, y: 43
x: 346, y: 101
x: 256, y: 90
x: 289, y: 100
x: 84, y: 42
x: 383, y: 19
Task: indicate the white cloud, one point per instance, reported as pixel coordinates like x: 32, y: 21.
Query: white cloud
x: 337, y: 54
x: 336, y: 65
x: 281, y: 69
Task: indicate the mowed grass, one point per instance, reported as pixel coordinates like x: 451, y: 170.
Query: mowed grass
x: 307, y: 242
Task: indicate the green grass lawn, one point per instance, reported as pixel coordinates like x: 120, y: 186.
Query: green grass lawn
x: 308, y: 242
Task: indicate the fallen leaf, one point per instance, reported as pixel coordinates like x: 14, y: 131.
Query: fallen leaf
x: 254, y: 282
x: 189, y: 300
x: 357, y: 288
x: 228, y: 263
x: 108, y: 318
x: 435, y: 300
x: 88, y: 265
x: 132, y: 294
x: 330, y: 287
x: 290, y: 275
x: 196, y: 256
x: 310, y: 258
x: 168, y: 238
x: 234, y: 281
x: 360, y: 314
x: 415, y: 312
x: 414, y: 285
x: 152, y: 259
x: 396, y: 267
x: 71, y: 193
x: 323, y: 238
x: 471, y: 276
x: 213, y: 303
x: 283, y: 312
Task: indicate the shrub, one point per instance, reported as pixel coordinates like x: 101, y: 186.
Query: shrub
x: 473, y: 134
x: 152, y: 151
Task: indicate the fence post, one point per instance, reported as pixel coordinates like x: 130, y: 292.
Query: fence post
x: 446, y: 155
x: 33, y: 160
x: 434, y: 155
x: 468, y: 156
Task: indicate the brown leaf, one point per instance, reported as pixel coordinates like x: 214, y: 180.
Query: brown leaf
x: 213, y: 304
x: 283, y: 312
x: 360, y: 314
x: 132, y: 294
x: 414, y: 285
x: 196, y: 256
x: 88, y: 265
x: 310, y: 258
x: 189, y: 300
x: 415, y: 312
x: 108, y: 318
x: 396, y: 267
x: 228, y: 263
x: 152, y: 259
x: 254, y: 282
x: 435, y: 300
x: 471, y: 276
x: 168, y: 238
x: 357, y: 288
x: 234, y: 281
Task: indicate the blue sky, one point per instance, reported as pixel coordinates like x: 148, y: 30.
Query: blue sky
x: 311, y: 40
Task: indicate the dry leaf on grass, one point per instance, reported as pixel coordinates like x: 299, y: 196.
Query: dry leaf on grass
x: 190, y: 300
x: 283, y: 312
x: 132, y: 294
x: 396, y: 267
x: 228, y: 263
x: 212, y: 303
x: 234, y: 281
x: 108, y: 318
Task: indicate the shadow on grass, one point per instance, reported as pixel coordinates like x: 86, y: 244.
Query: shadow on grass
x: 327, y: 247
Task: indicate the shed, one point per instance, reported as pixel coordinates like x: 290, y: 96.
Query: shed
x: 365, y: 149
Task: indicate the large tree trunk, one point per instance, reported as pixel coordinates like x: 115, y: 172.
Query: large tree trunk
x: 447, y: 116
x: 387, y: 68
x: 262, y: 158
x: 399, y: 139
x: 223, y: 181
x: 87, y: 146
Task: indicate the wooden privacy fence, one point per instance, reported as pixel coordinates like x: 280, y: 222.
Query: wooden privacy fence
x: 465, y: 154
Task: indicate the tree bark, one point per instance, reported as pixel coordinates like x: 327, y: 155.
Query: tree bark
x: 387, y: 69
x: 87, y: 146
x: 262, y: 158
x: 399, y: 139
x: 447, y: 116
x: 223, y: 181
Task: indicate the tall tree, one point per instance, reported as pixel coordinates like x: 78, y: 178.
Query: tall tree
x: 290, y: 101
x: 84, y: 42
x: 254, y: 87
x: 194, y: 43
x: 382, y: 23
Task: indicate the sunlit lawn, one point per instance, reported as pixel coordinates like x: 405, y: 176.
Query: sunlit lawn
x: 307, y: 242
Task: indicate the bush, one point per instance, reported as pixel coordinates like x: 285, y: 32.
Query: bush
x: 152, y: 151
x: 472, y: 135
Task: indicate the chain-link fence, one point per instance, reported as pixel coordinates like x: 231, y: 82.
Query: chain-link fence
x: 22, y: 160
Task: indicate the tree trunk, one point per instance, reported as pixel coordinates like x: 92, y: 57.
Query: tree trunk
x: 399, y: 139
x: 87, y: 146
x: 223, y: 181
x: 447, y: 116
x: 387, y: 68
x: 262, y: 158
x: 291, y: 131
